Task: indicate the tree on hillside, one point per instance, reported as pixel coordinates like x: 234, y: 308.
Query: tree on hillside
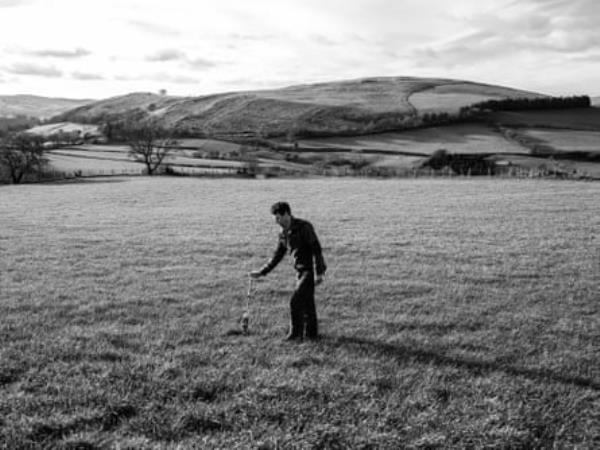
x: 150, y: 145
x: 22, y: 154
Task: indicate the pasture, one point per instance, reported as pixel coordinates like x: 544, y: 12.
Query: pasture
x: 451, y: 96
x: 469, y: 138
x: 567, y: 140
x: 93, y: 160
x: 455, y: 314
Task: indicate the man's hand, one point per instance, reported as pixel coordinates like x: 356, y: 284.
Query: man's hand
x: 318, y: 280
x: 255, y: 274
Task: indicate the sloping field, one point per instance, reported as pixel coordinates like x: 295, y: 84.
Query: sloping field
x: 455, y: 314
x: 36, y: 106
x: 64, y: 127
x: 451, y: 97
x: 454, y: 138
x: 221, y: 147
x: 567, y: 140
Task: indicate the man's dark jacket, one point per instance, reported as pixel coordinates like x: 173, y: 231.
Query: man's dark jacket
x: 301, y: 240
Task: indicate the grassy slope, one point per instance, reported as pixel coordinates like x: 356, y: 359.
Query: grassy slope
x: 450, y: 97
x: 567, y: 140
x: 468, y: 138
x: 352, y: 106
x: 41, y: 107
x: 452, y: 316
x: 559, y: 131
x: 64, y: 127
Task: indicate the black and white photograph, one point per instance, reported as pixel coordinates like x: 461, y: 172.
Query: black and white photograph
x: 299, y: 224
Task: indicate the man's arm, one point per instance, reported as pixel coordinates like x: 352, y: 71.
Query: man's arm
x: 315, y: 245
x: 278, y: 255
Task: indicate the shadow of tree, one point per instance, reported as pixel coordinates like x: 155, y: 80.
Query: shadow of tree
x: 401, y: 354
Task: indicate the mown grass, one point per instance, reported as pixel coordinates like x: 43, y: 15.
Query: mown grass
x: 456, y: 313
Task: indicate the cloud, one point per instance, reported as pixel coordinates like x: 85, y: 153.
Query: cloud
x: 200, y: 63
x: 160, y: 76
x: 154, y: 28
x: 75, y: 53
x: 250, y: 37
x: 86, y: 76
x: 177, y: 79
x: 323, y: 40
x: 534, y: 27
x: 12, y: 3
x: 169, y: 54
x: 34, y: 70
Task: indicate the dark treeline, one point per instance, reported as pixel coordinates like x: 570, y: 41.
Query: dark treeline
x: 477, y: 111
x: 524, y: 104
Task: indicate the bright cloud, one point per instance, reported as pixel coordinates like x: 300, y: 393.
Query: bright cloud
x: 29, y: 69
x: 196, y: 47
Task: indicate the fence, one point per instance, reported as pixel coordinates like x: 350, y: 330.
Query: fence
x: 55, y: 175
x: 427, y: 172
x: 383, y: 172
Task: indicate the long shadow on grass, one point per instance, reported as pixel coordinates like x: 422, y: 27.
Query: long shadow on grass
x: 402, y: 354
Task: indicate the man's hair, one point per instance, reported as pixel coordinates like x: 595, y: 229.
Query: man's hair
x: 281, y: 208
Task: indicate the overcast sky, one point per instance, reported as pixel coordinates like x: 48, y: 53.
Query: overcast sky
x: 102, y: 48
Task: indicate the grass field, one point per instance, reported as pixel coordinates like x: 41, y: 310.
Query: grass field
x: 567, y: 140
x: 107, y: 159
x: 455, y: 314
x: 469, y: 138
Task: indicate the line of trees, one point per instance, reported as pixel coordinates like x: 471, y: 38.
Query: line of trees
x: 525, y: 104
x: 476, y: 110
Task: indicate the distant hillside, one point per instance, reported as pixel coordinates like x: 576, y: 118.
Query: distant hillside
x: 65, y: 127
x: 35, y: 106
x: 595, y: 101
x: 351, y: 107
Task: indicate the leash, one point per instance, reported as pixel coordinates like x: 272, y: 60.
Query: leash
x: 246, y: 317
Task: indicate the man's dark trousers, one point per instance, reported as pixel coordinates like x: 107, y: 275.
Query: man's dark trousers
x: 302, y: 306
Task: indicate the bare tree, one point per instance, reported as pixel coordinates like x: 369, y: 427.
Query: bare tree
x: 22, y: 154
x: 150, y: 145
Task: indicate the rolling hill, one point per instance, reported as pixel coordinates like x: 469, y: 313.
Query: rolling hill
x: 352, y: 107
x: 382, y: 125
x: 36, y: 106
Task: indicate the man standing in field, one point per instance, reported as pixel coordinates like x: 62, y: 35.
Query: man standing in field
x: 299, y: 237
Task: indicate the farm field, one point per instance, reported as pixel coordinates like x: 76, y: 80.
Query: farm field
x: 450, y: 97
x: 96, y: 159
x: 470, y: 138
x: 455, y: 314
x: 567, y: 140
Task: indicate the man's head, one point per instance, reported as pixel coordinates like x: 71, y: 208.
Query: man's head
x: 282, y: 213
